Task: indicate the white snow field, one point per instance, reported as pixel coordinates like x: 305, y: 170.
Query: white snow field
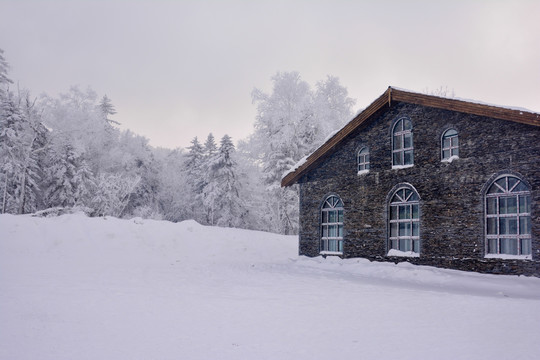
x: 73, y: 287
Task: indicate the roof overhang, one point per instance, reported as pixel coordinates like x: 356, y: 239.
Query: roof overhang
x: 399, y: 95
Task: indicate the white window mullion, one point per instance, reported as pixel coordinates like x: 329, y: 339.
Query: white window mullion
x: 513, y: 236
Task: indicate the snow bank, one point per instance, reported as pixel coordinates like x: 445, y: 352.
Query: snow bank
x: 73, y: 287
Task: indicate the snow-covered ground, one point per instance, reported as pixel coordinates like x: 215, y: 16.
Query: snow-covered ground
x: 73, y: 287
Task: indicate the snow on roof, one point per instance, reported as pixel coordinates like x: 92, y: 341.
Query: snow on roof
x: 473, y: 101
x: 295, y: 166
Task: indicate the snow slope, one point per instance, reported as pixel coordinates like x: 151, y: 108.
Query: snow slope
x: 74, y: 287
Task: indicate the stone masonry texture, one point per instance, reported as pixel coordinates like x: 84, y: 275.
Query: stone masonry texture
x: 452, y: 215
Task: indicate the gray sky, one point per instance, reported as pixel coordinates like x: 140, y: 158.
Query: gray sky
x: 179, y: 69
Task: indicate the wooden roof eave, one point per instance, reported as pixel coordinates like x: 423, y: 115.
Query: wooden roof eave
x: 469, y: 107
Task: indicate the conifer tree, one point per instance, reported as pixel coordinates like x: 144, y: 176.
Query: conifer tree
x: 36, y: 148
x: 19, y: 169
x: 210, y: 150
x: 4, y: 66
x: 107, y: 108
x: 21, y: 137
x: 222, y: 197
x: 11, y: 152
x: 210, y: 147
x: 193, y: 166
x: 70, y: 180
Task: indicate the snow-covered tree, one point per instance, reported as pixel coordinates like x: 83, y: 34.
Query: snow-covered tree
x: 194, y: 170
x: 76, y: 117
x: 37, y: 140
x: 194, y: 161
x: 252, y: 189
x: 144, y: 165
x: 70, y: 181
x: 210, y: 151
x: 12, y: 128
x: 175, y: 196
x: 21, y: 136
x: 4, y: 66
x: 66, y: 151
x: 291, y: 122
x: 107, y: 108
x: 112, y: 194
x: 284, y: 132
x: 221, y: 194
x: 283, y: 126
x: 332, y: 108
x: 210, y: 147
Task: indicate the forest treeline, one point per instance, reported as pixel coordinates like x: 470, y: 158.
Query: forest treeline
x: 67, y: 152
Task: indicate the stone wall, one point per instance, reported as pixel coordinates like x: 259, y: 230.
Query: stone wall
x: 451, y: 193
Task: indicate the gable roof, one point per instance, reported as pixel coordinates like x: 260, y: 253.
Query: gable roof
x: 384, y: 101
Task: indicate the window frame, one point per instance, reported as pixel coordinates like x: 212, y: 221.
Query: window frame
x: 400, y: 132
x: 505, y: 229
x: 332, y: 208
x: 452, y: 147
x: 363, y: 160
x: 403, y: 211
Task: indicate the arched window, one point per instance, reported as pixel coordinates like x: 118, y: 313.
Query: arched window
x: 508, y: 217
x: 402, y: 143
x: 450, y: 144
x: 363, y: 160
x: 404, y: 221
x: 332, y: 225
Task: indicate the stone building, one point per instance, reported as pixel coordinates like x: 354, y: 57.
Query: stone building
x: 428, y: 180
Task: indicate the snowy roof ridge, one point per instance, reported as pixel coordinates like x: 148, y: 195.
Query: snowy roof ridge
x: 473, y: 101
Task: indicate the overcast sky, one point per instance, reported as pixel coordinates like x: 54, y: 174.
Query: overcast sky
x: 179, y: 69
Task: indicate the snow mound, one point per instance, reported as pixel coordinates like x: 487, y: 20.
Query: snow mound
x: 73, y: 287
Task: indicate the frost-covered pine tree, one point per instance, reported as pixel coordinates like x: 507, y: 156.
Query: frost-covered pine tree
x: 37, y: 145
x: 76, y: 116
x: 5, y: 134
x: 12, y: 130
x: 19, y: 169
x: 210, y: 150
x: 222, y: 196
x: 60, y: 173
x: 210, y: 147
x: 195, y: 155
x: 194, y: 171
x: 70, y: 180
x: 4, y: 79
x: 107, y: 108
x: 83, y: 184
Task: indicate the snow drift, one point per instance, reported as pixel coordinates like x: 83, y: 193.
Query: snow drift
x: 73, y: 287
